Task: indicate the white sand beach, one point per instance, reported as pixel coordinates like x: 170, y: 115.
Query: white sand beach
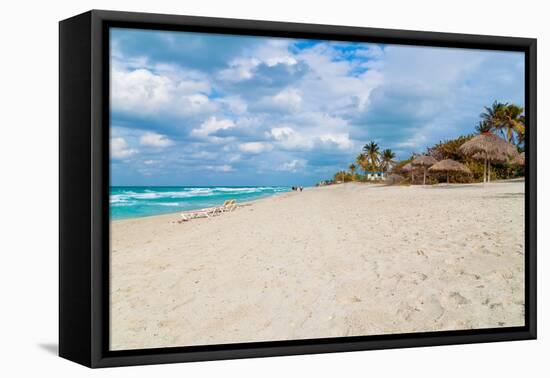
x: 342, y: 260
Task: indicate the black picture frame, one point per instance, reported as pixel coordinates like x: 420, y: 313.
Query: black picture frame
x: 84, y: 181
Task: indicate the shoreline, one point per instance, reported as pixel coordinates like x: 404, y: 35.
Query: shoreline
x: 333, y: 261
x: 371, y: 185
x: 239, y: 204
x: 200, y: 208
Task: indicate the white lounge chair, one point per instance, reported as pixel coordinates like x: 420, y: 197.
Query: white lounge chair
x: 203, y: 213
x: 228, y: 206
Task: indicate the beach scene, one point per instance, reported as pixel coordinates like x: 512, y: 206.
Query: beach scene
x: 267, y: 189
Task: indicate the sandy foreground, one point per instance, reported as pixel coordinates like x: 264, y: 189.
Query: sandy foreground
x: 343, y: 260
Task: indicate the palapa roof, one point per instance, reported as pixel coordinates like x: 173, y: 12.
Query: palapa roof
x: 519, y: 160
x: 449, y: 165
x: 407, y: 167
x: 490, y: 145
x: 424, y: 160
x: 495, y: 158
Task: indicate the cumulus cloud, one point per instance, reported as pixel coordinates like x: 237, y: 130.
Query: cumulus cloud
x: 239, y: 69
x: 341, y: 141
x: 142, y: 91
x: 289, y: 139
x: 335, y: 84
x: 288, y: 99
x: 282, y: 133
x: 211, y: 126
x: 120, y: 149
x: 293, y: 165
x: 155, y: 140
x: 271, y: 53
x: 254, y: 147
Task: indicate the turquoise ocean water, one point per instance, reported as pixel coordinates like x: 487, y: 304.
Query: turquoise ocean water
x: 140, y: 201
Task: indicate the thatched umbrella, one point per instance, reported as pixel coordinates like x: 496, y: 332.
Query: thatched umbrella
x: 408, y: 168
x: 423, y: 161
x: 450, y: 166
x: 489, y: 147
x: 496, y: 158
x: 519, y: 160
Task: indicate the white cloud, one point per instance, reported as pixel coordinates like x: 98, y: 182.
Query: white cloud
x: 211, y: 125
x: 342, y: 141
x: 288, y: 99
x: 282, y: 133
x: 315, y: 130
x: 155, y: 140
x: 289, y: 139
x: 270, y: 53
x: 120, y: 149
x: 219, y: 168
x: 239, y: 69
x: 141, y: 91
x: 284, y: 59
x: 275, y: 51
x: 293, y: 165
x: 335, y: 84
x: 254, y: 147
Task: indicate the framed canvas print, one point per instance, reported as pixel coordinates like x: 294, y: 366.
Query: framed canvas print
x: 234, y: 188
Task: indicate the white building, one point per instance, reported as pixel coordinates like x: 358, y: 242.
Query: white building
x: 374, y: 176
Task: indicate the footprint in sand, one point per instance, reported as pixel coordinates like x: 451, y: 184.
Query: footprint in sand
x: 349, y: 300
x: 418, y: 276
x: 457, y: 298
x: 420, y: 253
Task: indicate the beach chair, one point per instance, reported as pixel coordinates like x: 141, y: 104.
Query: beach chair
x: 228, y: 206
x: 203, y: 213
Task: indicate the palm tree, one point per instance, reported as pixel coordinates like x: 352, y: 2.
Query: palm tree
x: 340, y: 176
x: 387, y: 159
x: 483, y: 127
x: 352, y: 167
x: 492, y: 115
x: 363, y: 162
x: 372, y: 151
x: 521, y: 131
x: 513, y: 120
x: 505, y: 118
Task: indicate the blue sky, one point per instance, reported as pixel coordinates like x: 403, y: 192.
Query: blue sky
x: 204, y: 109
